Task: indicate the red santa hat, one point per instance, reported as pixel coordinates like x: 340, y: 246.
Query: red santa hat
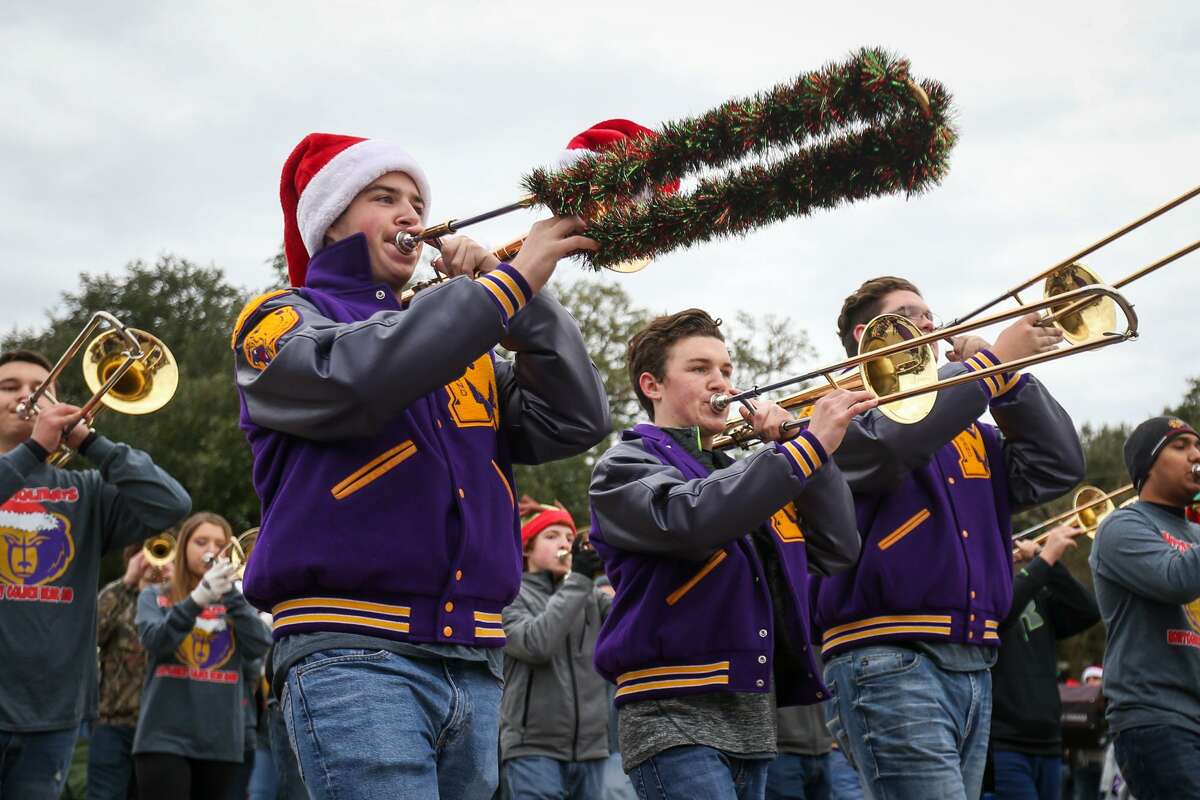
x: 320, y: 178
x: 601, y: 137
x: 543, y: 517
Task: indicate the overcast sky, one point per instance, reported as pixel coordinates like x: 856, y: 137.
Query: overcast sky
x: 140, y: 129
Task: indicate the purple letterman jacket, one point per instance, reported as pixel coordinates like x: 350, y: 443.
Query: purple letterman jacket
x: 383, y: 441
x: 693, y: 611
x: 934, y: 502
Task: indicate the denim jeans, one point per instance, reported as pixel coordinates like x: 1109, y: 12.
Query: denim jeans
x: 375, y: 725
x: 844, y: 783
x: 1159, y: 762
x: 287, y: 771
x: 911, y: 729
x: 795, y: 777
x: 1024, y: 777
x: 33, y: 766
x: 617, y: 785
x: 110, y: 762
x: 543, y: 778
x: 699, y: 773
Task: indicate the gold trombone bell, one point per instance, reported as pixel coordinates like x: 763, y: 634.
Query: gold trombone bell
x: 148, y: 384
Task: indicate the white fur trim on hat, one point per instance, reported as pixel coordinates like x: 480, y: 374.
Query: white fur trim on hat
x: 32, y: 521
x: 1093, y: 672
x: 567, y: 158
x: 330, y: 191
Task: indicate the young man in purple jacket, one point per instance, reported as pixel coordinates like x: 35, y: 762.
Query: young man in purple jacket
x: 383, y: 439
x: 909, y: 635
x: 709, y: 629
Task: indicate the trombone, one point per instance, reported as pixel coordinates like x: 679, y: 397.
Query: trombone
x: 1089, y: 507
x: 1069, y: 273
x: 895, y: 362
x: 127, y: 370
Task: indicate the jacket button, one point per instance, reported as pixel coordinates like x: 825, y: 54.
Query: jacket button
x: 820, y: 695
x: 450, y: 607
x: 380, y: 294
x: 965, y: 534
x: 972, y: 616
x: 759, y: 683
x: 762, y: 634
x: 458, y: 574
x: 461, y: 493
x: 438, y: 423
x: 447, y: 631
x: 970, y: 634
x: 972, y: 594
x: 950, y: 481
x: 762, y: 659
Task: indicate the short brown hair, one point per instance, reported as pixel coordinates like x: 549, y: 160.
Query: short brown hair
x: 865, y: 304
x: 28, y: 356
x: 649, y: 348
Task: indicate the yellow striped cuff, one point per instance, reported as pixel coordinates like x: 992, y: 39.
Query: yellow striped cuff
x: 508, y: 290
x: 805, y: 453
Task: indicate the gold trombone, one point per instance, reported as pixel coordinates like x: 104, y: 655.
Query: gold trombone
x: 1069, y: 273
x: 1089, y: 507
x: 159, y: 550
x: 127, y: 370
x: 896, y: 363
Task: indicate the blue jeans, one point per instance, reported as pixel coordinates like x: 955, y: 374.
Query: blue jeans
x: 844, y: 783
x: 376, y: 725
x: 33, y: 766
x: 542, y: 778
x: 1159, y: 762
x: 911, y: 729
x: 617, y: 785
x: 287, y: 771
x: 795, y: 777
x: 699, y: 773
x: 1025, y: 777
x: 110, y: 762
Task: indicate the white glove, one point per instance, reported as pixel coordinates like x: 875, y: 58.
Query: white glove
x: 215, y: 584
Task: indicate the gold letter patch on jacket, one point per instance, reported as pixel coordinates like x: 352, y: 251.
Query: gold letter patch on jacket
x: 972, y: 456
x: 473, y: 396
x: 262, y: 343
x: 786, y: 522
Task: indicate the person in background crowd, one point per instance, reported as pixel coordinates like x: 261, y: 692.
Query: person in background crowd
x: 199, y: 633
x: 1086, y: 764
x: 554, y: 712
x: 1146, y: 566
x: 1048, y: 605
x: 122, y: 674
x: 55, y: 525
x: 801, y: 770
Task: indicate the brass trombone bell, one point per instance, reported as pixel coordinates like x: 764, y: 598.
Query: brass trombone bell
x: 159, y: 550
x: 144, y: 386
x: 237, y: 552
x: 1090, y: 319
x: 1089, y: 507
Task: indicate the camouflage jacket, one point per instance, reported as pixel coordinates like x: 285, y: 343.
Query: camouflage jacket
x: 122, y: 659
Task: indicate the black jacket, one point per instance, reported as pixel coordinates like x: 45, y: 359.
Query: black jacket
x: 1048, y: 605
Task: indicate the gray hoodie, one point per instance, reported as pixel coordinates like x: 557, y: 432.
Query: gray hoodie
x: 555, y: 703
x: 55, y: 524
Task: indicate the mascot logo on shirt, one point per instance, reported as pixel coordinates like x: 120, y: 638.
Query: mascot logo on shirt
x: 35, y: 546
x: 262, y: 344
x: 473, y: 396
x: 972, y: 455
x: 210, y: 644
x: 786, y: 524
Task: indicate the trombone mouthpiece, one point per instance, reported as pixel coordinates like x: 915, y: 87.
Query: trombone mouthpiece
x: 719, y: 402
x: 406, y: 242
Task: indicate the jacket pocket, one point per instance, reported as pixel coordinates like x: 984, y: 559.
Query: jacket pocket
x: 507, y: 485
x: 675, y: 596
x: 373, y: 469
x: 908, y: 526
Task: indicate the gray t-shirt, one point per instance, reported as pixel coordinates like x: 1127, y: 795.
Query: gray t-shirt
x: 55, y: 525
x: 192, y: 705
x: 1146, y: 566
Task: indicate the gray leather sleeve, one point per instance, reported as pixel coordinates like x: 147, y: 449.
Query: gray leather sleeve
x: 831, y: 536
x: 877, y: 453
x: 1042, y: 452
x: 552, y: 401
x: 647, y: 507
x: 330, y: 380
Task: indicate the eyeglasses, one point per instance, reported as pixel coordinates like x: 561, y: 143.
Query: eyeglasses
x: 917, y: 315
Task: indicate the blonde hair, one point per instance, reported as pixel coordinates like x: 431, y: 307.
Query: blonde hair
x: 183, y: 581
